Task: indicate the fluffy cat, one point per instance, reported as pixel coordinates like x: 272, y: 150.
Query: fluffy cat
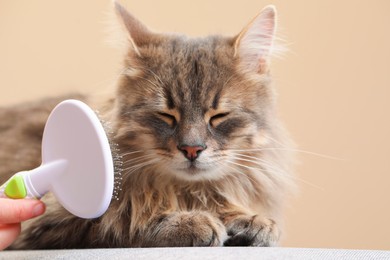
x: 205, y: 157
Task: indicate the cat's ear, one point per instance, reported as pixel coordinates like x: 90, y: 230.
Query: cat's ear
x: 138, y: 34
x: 253, y: 45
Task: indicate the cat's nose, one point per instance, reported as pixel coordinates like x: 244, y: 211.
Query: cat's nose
x: 191, y: 152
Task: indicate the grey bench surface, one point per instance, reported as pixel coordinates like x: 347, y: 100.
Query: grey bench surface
x: 225, y: 253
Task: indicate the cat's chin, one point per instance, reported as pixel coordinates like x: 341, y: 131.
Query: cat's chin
x: 195, y: 173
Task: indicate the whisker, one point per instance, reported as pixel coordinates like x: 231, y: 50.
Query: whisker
x: 136, y: 159
x: 136, y: 167
x: 141, y: 156
x: 135, y: 163
x: 242, y: 165
x: 132, y: 152
x: 260, y: 162
x: 246, y: 156
x: 269, y: 180
x: 256, y: 160
x: 237, y: 171
x: 308, y: 183
x: 238, y: 157
x: 285, y: 149
x: 276, y: 141
x: 264, y: 163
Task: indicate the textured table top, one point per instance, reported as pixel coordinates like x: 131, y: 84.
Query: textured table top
x: 224, y: 253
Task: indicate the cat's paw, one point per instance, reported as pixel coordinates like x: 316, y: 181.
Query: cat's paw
x: 189, y: 229
x: 252, y: 231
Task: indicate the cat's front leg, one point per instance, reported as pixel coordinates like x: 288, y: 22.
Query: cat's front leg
x: 245, y: 230
x: 190, y: 228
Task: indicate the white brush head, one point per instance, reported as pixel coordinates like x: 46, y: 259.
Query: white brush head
x: 74, y: 133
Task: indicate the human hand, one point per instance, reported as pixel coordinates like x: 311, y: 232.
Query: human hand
x: 12, y: 212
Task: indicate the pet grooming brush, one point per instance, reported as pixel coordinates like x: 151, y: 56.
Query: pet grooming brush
x: 78, y: 163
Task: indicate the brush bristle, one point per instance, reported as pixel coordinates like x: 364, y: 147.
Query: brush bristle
x: 116, y: 157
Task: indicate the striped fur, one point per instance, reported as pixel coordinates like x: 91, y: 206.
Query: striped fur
x: 211, y: 92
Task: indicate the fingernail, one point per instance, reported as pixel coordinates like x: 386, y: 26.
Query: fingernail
x: 38, y: 209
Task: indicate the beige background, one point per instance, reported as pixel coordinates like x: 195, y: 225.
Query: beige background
x: 334, y: 88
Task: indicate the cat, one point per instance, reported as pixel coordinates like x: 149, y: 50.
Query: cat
x: 205, y: 159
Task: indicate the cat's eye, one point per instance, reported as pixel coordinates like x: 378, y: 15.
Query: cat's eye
x: 218, y: 118
x: 168, y: 118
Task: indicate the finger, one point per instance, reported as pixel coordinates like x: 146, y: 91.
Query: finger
x: 8, y: 234
x: 15, y: 211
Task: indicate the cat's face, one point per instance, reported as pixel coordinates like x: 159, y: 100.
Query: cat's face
x: 190, y: 107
